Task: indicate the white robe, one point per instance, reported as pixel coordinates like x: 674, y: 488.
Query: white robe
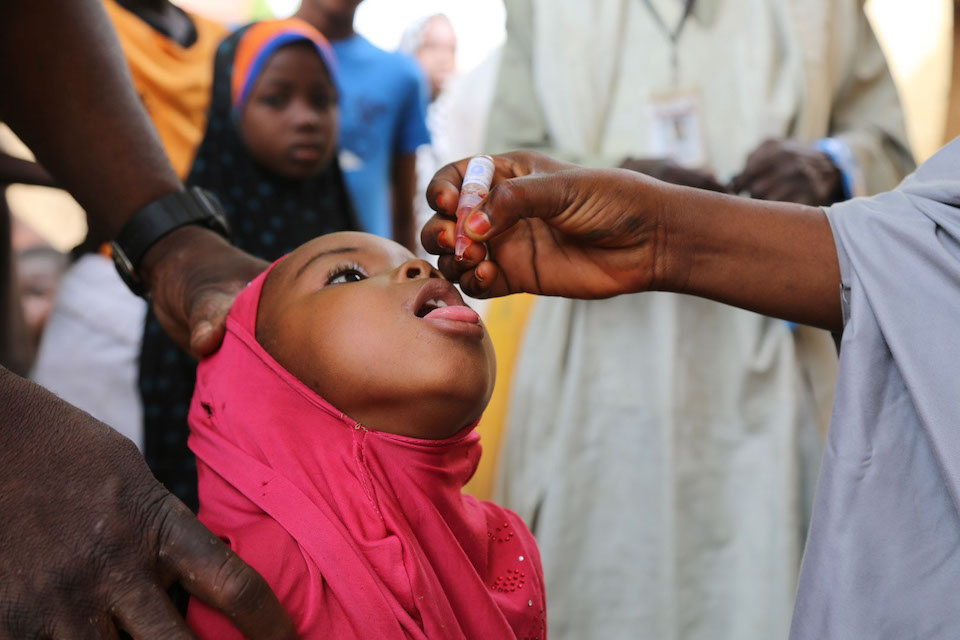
x: 90, y: 351
x: 664, y: 448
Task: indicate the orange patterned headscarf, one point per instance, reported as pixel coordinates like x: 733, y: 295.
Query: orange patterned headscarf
x: 261, y: 41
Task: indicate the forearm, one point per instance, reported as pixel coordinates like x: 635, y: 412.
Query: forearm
x: 778, y: 259
x: 74, y: 105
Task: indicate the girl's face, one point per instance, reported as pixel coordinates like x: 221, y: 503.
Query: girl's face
x: 379, y: 334
x: 290, y: 120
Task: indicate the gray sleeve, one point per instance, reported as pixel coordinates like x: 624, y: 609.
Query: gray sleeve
x: 843, y: 259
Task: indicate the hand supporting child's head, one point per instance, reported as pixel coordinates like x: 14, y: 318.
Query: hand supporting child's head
x: 379, y: 334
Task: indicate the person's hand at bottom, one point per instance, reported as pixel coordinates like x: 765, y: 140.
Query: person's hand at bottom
x: 89, y: 540
x: 549, y: 228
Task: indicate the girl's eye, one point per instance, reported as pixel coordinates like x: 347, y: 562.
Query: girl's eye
x: 323, y: 101
x: 274, y: 100
x: 346, y: 275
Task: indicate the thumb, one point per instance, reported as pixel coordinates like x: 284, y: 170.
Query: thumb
x: 533, y: 196
x: 208, y: 319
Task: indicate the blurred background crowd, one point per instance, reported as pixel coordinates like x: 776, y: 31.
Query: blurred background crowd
x: 693, y: 529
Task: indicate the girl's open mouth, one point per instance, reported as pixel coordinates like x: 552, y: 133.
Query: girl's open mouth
x: 439, y: 303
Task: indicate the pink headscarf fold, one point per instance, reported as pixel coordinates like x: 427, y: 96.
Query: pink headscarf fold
x: 361, y: 534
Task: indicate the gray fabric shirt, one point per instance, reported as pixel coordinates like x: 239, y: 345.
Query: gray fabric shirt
x: 883, y: 556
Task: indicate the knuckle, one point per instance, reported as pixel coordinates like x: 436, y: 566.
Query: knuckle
x: 160, y: 516
x: 155, y: 509
x: 503, y: 192
x: 241, y: 588
x: 141, y: 607
x: 430, y: 235
x: 470, y: 287
x: 17, y: 618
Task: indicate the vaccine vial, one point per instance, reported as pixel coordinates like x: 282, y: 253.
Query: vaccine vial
x: 476, y: 186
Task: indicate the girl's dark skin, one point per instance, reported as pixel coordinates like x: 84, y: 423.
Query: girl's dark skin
x: 340, y: 314
x: 289, y: 121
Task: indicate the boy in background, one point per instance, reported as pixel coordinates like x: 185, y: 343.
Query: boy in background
x: 383, y: 105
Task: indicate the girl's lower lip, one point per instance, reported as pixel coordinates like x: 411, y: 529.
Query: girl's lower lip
x: 457, y: 320
x: 306, y: 153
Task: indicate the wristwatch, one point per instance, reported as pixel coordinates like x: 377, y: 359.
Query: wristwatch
x: 157, y: 219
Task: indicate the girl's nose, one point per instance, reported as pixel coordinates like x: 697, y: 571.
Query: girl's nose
x: 416, y: 269
x: 306, y: 116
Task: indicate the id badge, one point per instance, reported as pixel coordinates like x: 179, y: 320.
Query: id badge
x: 676, y: 128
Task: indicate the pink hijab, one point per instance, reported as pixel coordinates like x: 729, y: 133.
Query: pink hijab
x: 361, y: 534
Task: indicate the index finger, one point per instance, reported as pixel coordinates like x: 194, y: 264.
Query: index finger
x: 443, y: 192
x: 211, y: 571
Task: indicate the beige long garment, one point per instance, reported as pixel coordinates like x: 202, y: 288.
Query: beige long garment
x: 664, y: 448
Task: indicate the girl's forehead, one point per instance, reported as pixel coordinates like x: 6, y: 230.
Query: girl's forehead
x: 380, y: 252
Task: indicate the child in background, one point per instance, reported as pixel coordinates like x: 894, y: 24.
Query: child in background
x: 334, y: 432
x: 39, y: 271
x: 270, y: 156
x: 383, y: 104
x: 270, y: 151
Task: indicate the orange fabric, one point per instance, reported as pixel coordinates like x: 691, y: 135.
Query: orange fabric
x: 506, y: 321
x: 173, y: 82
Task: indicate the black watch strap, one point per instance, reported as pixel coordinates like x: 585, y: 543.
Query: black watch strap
x: 156, y: 220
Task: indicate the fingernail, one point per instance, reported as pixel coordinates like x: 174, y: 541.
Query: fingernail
x: 477, y: 275
x: 442, y: 239
x: 478, y: 222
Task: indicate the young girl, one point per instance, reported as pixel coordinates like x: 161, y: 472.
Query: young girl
x: 269, y: 154
x: 334, y: 432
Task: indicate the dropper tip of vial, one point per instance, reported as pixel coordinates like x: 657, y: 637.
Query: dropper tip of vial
x: 460, y: 247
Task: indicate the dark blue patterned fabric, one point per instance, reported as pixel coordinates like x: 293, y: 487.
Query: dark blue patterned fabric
x: 269, y: 216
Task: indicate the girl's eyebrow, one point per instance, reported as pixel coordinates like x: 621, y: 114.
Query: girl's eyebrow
x: 328, y: 252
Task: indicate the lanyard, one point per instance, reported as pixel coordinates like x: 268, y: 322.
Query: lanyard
x: 672, y: 34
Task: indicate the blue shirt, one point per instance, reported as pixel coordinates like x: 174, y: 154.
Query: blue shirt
x: 383, y: 106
